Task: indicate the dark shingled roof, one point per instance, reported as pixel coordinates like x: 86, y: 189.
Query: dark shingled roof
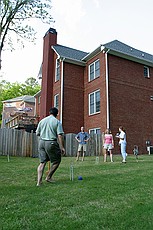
x: 115, y: 46
x: 128, y: 50
x: 25, y: 98
x: 69, y: 53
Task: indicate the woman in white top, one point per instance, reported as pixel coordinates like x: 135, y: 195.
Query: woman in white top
x: 122, y: 143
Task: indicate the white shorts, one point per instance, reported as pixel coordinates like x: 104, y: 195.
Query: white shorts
x: 82, y: 146
x: 108, y: 146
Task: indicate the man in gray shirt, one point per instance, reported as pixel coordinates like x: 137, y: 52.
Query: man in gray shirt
x: 51, y: 132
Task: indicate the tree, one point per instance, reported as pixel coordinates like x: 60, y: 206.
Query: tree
x: 16, y: 16
x: 12, y: 90
x: 30, y: 87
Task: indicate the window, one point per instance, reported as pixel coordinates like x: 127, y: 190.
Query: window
x: 146, y: 72
x: 56, y: 101
x: 94, y: 131
x: 94, y: 102
x: 94, y: 70
x: 39, y: 99
x: 57, y: 73
x: 10, y: 104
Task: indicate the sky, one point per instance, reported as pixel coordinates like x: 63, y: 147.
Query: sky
x: 84, y: 25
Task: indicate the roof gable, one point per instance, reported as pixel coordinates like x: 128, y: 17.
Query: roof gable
x: 69, y: 53
x: 128, y: 50
x: 120, y: 49
x: 25, y: 98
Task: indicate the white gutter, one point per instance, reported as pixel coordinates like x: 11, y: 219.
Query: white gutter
x: 107, y: 95
x: 62, y: 81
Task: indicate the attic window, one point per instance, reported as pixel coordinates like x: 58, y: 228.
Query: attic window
x: 94, y: 70
x: 146, y: 72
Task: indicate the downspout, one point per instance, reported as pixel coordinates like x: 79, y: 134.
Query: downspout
x: 107, y: 94
x: 62, y: 83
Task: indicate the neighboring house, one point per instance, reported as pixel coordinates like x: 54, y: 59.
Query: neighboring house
x: 19, y: 113
x: 107, y: 88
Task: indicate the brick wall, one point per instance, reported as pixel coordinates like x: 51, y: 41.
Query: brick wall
x: 98, y: 120
x: 73, y: 109
x: 130, y: 104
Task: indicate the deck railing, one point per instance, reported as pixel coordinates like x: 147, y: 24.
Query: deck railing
x: 19, y: 121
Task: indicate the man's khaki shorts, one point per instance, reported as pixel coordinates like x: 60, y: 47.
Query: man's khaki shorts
x: 82, y: 146
x: 49, y: 151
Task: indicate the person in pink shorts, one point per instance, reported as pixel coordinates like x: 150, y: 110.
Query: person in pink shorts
x: 108, y: 144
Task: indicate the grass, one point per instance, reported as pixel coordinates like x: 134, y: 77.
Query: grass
x: 111, y: 196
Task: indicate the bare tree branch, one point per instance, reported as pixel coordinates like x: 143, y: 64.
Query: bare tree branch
x: 15, y: 13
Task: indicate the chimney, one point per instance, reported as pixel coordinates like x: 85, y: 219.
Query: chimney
x: 48, y: 69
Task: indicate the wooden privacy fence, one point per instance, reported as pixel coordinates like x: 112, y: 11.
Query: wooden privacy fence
x: 15, y: 142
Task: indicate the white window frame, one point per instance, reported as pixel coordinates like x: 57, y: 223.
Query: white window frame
x: 57, y: 70
x: 94, y: 70
x: 39, y: 99
x: 94, y: 93
x: 146, y: 69
x: 56, y: 101
x: 94, y: 130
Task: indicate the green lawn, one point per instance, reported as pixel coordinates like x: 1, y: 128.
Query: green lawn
x: 110, y: 196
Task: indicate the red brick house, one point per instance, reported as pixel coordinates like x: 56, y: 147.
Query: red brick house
x: 107, y: 88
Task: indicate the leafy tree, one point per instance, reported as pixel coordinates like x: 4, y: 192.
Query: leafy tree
x: 11, y: 90
x: 15, y: 19
x: 30, y: 87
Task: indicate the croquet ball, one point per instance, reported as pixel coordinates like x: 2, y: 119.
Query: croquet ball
x: 80, y: 178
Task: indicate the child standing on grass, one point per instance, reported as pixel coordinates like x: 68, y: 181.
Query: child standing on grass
x: 122, y: 142
x: 136, y: 151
